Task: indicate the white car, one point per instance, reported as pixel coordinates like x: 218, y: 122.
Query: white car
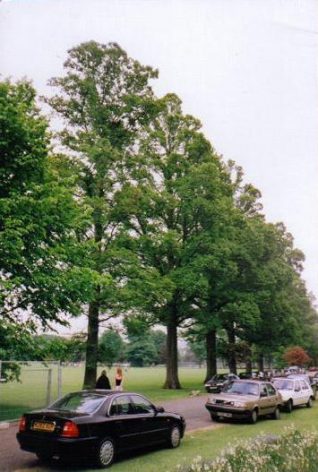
x: 295, y: 392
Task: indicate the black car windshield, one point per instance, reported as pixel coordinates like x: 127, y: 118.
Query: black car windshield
x: 218, y: 377
x: 81, y: 402
x: 242, y: 388
x: 283, y: 384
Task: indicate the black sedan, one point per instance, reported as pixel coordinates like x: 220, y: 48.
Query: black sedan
x: 218, y: 381
x: 98, y: 424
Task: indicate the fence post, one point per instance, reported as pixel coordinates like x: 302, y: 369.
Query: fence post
x: 59, y: 380
x: 49, y: 387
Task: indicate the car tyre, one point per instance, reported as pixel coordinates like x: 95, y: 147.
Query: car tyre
x: 215, y: 418
x: 174, y: 437
x: 309, y: 403
x: 289, y: 406
x: 276, y: 414
x: 105, y: 453
x: 254, y: 417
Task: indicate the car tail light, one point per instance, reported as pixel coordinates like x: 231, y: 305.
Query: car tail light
x: 70, y: 430
x: 22, y: 424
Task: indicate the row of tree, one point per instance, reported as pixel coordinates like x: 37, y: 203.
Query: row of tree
x: 128, y: 210
x: 137, y: 349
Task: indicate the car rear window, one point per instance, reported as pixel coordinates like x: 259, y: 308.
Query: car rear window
x: 284, y: 384
x: 79, y: 402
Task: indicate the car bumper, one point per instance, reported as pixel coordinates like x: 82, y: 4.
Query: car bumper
x: 62, y: 447
x: 225, y: 412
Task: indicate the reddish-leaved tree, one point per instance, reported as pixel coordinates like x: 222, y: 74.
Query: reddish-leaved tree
x: 296, y: 355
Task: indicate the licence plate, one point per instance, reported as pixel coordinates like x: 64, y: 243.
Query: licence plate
x: 43, y: 426
x: 224, y: 415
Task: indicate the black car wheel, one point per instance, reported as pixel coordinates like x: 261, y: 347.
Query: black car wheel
x: 174, y: 437
x: 309, y: 403
x: 105, y: 453
x: 215, y: 417
x: 276, y: 414
x: 254, y: 417
x: 289, y: 406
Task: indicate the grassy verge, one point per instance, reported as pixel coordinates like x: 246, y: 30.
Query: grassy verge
x: 209, y: 443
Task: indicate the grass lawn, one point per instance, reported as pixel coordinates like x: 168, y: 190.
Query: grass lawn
x: 31, y: 392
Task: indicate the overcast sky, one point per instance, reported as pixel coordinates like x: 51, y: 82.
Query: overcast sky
x: 246, y: 68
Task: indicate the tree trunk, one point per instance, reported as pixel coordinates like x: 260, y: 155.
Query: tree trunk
x: 91, y: 346
x: 231, y: 354
x: 261, y: 363
x: 94, y: 306
x: 172, y: 380
x: 211, y: 367
x: 248, y: 367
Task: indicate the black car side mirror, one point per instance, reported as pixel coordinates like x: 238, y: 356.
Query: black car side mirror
x: 160, y: 409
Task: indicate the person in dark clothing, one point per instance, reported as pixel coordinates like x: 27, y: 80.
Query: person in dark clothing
x: 103, y: 381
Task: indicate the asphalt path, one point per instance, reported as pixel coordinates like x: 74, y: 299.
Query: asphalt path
x: 12, y: 459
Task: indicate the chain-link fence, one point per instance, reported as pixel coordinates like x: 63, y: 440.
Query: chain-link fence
x: 37, y: 385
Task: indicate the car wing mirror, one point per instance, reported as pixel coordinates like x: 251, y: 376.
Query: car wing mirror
x: 263, y: 394
x: 160, y: 409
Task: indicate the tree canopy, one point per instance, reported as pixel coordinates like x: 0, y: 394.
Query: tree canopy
x: 129, y: 211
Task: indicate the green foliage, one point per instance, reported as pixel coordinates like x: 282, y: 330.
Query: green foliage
x: 137, y: 216
x: 38, y: 249
x: 142, y: 352
x: 17, y: 344
x: 23, y: 142
x: 58, y: 348
x: 111, y: 348
x: 159, y: 339
x: 181, y: 185
x: 197, y: 346
x: 105, y: 100
x: 145, y: 346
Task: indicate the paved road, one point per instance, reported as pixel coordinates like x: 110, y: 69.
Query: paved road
x: 12, y: 459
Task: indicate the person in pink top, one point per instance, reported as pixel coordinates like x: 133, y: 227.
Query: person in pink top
x: 119, y: 379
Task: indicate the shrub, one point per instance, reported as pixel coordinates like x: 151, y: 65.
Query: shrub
x: 294, y: 451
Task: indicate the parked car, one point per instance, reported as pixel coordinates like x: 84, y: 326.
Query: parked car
x: 293, y: 370
x: 245, y: 399
x: 245, y: 375
x: 98, y: 424
x: 313, y: 376
x: 307, y: 379
x: 294, y: 391
x: 218, y: 381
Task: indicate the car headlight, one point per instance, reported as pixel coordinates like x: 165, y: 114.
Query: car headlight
x: 238, y: 404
